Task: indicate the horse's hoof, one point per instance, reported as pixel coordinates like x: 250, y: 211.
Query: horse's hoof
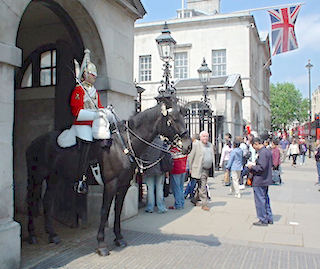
x: 121, y: 242
x: 32, y: 240
x: 74, y: 226
x: 103, y: 251
x: 84, y: 224
x: 54, y: 239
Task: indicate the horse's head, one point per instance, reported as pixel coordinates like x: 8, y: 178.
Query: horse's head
x: 173, y: 125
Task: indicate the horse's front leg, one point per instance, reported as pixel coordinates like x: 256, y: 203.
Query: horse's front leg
x: 108, y: 194
x: 122, y: 191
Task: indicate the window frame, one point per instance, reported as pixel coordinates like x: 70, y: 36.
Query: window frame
x: 144, y: 70
x: 35, y: 59
x: 178, y: 70
x: 219, y: 72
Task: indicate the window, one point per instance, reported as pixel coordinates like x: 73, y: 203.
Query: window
x: 145, y: 68
x: 219, y: 65
x: 39, y: 69
x: 48, y: 68
x: 181, y: 65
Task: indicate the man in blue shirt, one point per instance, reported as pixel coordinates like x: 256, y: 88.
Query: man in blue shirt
x: 262, y: 178
x: 284, y: 144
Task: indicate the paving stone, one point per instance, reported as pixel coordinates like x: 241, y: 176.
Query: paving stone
x: 192, y: 238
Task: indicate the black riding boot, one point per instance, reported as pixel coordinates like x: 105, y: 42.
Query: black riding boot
x: 81, y: 185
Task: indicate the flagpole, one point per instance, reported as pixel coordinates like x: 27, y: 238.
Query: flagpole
x: 272, y: 7
x: 182, y: 7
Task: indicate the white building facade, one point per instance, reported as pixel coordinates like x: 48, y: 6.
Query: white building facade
x: 232, y: 48
x: 315, y: 103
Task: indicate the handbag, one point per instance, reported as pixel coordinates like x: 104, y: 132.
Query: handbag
x: 275, y: 176
x: 250, y: 179
x: 226, y: 176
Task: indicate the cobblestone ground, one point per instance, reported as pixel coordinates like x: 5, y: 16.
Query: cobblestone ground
x: 163, y: 251
x: 191, y: 238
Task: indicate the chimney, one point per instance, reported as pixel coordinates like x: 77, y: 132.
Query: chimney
x: 207, y: 6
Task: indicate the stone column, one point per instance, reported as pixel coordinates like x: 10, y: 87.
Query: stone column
x: 10, y: 231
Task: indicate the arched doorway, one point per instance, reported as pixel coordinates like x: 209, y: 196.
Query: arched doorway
x: 52, y: 43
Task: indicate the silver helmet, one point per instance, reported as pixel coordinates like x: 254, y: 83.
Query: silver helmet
x: 87, y: 66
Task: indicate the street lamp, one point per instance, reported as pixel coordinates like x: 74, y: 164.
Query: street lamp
x: 309, y: 66
x: 166, y: 46
x: 204, y: 76
x: 138, y: 99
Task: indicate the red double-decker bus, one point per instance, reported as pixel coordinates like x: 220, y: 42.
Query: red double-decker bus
x: 305, y: 130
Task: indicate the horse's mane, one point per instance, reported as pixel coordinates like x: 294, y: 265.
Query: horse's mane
x: 140, y: 118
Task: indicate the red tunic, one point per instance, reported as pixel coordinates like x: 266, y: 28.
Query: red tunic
x: 77, y: 103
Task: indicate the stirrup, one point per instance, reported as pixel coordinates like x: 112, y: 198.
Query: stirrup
x: 96, y: 171
x: 81, y: 186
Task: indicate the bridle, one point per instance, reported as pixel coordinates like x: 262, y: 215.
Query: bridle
x: 176, y: 141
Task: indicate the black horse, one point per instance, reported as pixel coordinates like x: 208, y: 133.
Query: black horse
x: 46, y: 160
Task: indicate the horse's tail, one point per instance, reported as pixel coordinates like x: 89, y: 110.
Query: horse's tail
x: 34, y: 180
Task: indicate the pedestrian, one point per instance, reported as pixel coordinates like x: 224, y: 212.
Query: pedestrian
x: 317, y: 157
x: 246, y: 156
x: 154, y: 176
x: 227, y: 137
x: 284, y: 144
x: 253, y: 156
x: 294, y: 151
x: 235, y: 165
x: 190, y: 189
x: 262, y: 178
x: 225, y: 155
x: 302, y: 151
x: 276, y: 161
x: 201, y: 159
x: 177, y: 177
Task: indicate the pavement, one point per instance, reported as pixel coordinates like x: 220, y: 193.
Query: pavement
x: 223, y: 237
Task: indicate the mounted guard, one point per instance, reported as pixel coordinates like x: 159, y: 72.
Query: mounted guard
x: 92, y: 120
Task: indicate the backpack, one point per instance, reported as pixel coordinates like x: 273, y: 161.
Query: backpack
x: 166, y: 163
x: 304, y: 148
x: 317, y: 156
x: 248, y: 154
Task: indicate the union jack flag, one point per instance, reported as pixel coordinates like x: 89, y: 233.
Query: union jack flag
x: 282, y: 24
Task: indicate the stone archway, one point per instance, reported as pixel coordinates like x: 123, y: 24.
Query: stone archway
x: 114, y: 19
x: 54, y: 28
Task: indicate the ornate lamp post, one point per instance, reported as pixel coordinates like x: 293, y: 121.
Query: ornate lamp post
x: 166, y: 51
x: 309, y: 66
x: 204, y: 76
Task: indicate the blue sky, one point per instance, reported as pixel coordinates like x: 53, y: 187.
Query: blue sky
x: 286, y: 67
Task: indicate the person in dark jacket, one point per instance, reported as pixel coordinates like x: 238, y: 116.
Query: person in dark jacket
x: 154, y: 176
x: 262, y: 178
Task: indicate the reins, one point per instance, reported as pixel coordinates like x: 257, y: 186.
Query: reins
x: 140, y: 162
x: 130, y: 152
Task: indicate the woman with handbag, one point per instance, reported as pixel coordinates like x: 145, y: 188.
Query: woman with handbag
x: 303, y: 151
x: 225, y: 156
x: 294, y: 151
x: 235, y: 165
x: 276, y: 162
